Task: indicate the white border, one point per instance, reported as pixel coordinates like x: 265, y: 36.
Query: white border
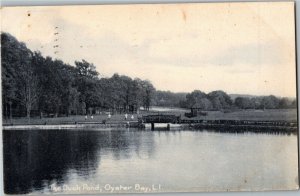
x: 99, y: 2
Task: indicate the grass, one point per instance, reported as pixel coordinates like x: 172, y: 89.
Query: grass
x: 71, y: 119
x: 259, y: 115
x: 251, y: 114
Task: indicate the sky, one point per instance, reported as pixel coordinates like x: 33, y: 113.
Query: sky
x: 241, y: 48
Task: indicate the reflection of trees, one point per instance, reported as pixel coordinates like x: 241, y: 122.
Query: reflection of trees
x: 144, y: 144
x: 124, y: 144
x: 33, y: 159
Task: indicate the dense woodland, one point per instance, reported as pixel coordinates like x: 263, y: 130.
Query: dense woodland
x: 37, y: 85
x: 34, y: 85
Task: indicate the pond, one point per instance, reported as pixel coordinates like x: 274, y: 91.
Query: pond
x: 130, y: 160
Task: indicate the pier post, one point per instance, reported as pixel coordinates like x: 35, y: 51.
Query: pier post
x: 152, y: 126
x: 168, y: 126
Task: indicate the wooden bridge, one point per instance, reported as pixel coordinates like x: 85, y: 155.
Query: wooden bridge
x: 160, y: 118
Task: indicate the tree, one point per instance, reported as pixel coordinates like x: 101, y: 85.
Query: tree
x: 244, y: 103
x: 31, y: 81
x: 135, y: 96
x: 86, y: 69
x: 220, y: 100
x: 69, y: 95
x: 86, y: 82
x: 8, y: 71
x: 205, y: 104
x: 28, y: 87
x: 294, y: 103
x: 19, y: 78
x: 169, y: 99
x: 147, y: 93
x: 54, y: 82
x: 269, y: 102
x: 194, y: 97
x: 284, y: 103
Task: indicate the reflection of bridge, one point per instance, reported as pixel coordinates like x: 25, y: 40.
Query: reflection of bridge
x: 160, y: 118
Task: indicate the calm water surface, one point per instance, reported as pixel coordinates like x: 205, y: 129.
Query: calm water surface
x: 94, y: 161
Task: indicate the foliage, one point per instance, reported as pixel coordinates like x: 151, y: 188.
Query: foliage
x: 220, y: 100
x: 265, y: 102
x: 216, y: 100
x: 19, y: 80
x: 169, y: 99
x: 36, y: 85
x: 194, y: 97
x: 46, y: 86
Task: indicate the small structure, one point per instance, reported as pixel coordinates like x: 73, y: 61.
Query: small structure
x: 196, y: 110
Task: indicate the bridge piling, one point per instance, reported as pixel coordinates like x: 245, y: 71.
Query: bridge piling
x: 152, y: 126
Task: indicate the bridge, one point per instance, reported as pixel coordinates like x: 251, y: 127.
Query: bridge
x: 160, y: 118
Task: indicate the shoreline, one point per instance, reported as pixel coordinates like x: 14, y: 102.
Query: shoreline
x: 256, y: 128
x: 70, y: 126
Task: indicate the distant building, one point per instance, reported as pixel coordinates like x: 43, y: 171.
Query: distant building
x: 197, y: 110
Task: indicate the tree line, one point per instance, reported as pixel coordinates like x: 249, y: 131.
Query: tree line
x: 220, y: 100
x: 36, y: 85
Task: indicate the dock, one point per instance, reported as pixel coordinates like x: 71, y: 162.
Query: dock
x: 237, y: 125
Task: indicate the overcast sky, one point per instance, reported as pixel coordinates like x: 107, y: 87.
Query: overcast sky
x: 245, y: 48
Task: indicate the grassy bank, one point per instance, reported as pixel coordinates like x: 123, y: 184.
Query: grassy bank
x: 289, y: 115
x: 259, y: 115
x: 71, y: 119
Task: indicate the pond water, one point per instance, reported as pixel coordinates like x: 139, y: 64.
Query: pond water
x: 129, y: 160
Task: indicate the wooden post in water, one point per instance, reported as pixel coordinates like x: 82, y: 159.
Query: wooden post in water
x: 152, y: 126
x: 168, y: 126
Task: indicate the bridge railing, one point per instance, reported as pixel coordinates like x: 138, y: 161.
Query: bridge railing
x: 160, y: 119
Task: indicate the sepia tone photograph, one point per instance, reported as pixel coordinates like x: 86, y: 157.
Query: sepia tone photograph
x: 149, y: 98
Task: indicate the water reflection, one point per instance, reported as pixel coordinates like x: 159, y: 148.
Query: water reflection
x: 35, y: 159
x: 178, y: 160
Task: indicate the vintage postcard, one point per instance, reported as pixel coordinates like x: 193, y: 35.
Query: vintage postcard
x: 149, y: 98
